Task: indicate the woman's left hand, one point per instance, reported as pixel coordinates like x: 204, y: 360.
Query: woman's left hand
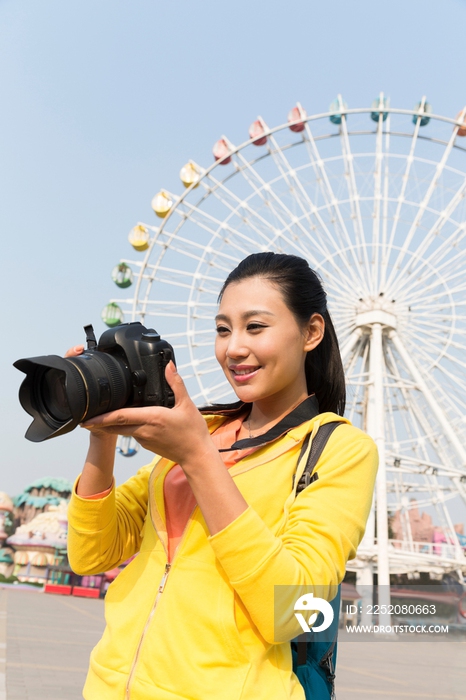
x: 179, y: 433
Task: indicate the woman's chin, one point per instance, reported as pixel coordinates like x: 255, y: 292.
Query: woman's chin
x: 247, y: 394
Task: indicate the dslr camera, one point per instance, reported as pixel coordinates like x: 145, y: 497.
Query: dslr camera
x: 125, y: 368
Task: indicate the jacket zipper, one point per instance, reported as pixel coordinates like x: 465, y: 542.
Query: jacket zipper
x: 157, y: 597
x: 160, y: 590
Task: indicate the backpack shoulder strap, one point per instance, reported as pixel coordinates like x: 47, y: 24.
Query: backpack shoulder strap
x: 317, y: 447
x: 326, y: 663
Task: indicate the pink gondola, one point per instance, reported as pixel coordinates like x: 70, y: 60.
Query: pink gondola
x: 221, y: 151
x: 295, y: 114
x: 257, y: 132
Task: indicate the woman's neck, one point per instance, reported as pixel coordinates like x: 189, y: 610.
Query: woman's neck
x: 265, y: 414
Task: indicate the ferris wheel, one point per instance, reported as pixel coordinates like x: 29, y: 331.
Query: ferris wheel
x: 375, y: 199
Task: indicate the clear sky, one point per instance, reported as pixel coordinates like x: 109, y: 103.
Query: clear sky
x: 103, y: 102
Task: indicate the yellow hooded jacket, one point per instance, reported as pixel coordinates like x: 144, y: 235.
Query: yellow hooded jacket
x: 201, y: 627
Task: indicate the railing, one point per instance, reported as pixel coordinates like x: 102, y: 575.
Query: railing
x: 431, y: 553
x: 440, y: 549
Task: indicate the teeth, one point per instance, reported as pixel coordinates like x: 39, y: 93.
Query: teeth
x: 244, y: 371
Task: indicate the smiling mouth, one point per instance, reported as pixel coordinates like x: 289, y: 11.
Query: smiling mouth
x: 237, y: 373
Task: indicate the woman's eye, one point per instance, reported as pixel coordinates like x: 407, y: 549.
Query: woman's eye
x: 221, y: 329
x: 255, y: 326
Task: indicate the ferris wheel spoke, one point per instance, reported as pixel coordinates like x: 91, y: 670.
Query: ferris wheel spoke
x: 391, y: 426
x: 419, y: 428
x: 354, y: 197
x: 425, y: 339
x: 350, y: 358
x: 428, y: 465
x: 379, y: 155
x: 215, y: 393
x: 401, y: 199
x: 454, y: 384
x: 447, y: 292
x: 171, y: 335
x: 435, y: 332
x: 423, y: 205
x: 264, y: 191
x: 260, y: 187
x: 307, y: 206
x: 445, y: 215
x: 444, y: 335
x: 385, y: 199
x: 426, y: 390
x: 358, y: 381
x: 286, y: 219
x: 177, y: 312
x: 235, y: 205
x: 442, y: 310
x: 427, y: 284
x: 331, y: 202
x: 187, y: 247
x: 454, y: 263
x: 440, y: 344
x: 222, y: 263
x: 218, y: 229
x: 307, y: 247
x: 345, y: 331
x: 433, y: 262
x: 262, y: 225
x: 422, y: 433
x: 169, y: 275
x: 350, y: 345
x: 407, y: 428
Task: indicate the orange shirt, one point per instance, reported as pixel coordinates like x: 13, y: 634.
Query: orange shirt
x: 178, y: 496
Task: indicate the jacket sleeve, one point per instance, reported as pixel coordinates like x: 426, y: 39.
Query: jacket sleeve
x: 325, y: 525
x: 105, y: 532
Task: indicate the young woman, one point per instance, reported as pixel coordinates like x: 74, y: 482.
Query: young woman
x: 214, y: 518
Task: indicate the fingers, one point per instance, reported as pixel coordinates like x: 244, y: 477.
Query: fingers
x: 74, y: 352
x: 125, y: 417
x: 175, y: 382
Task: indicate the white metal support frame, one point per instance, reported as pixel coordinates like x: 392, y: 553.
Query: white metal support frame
x: 376, y: 360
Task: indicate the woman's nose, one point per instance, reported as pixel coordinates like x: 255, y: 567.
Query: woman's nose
x: 236, y: 347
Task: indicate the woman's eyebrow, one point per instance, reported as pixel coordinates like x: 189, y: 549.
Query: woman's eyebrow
x: 246, y: 315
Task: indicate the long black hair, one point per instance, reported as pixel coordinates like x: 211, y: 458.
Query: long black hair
x: 304, y: 295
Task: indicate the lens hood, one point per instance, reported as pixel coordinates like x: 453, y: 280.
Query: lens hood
x: 45, y: 425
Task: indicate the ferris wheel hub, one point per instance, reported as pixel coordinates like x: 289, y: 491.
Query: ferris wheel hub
x: 374, y: 310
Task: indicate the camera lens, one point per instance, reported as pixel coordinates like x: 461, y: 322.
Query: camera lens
x: 59, y: 393
x: 53, y: 393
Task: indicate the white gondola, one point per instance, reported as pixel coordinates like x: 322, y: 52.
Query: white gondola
x: 127, y: 446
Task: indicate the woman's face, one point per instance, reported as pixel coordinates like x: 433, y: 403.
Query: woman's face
x: 259, y: 344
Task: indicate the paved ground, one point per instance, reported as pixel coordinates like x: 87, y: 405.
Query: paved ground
x: 401, y: 671
x: 48, y: 640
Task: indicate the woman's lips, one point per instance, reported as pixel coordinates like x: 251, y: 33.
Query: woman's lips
x: 243, y: 374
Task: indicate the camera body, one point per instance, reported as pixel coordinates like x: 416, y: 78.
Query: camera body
x: 124, y: 370
x: 145, y: 356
